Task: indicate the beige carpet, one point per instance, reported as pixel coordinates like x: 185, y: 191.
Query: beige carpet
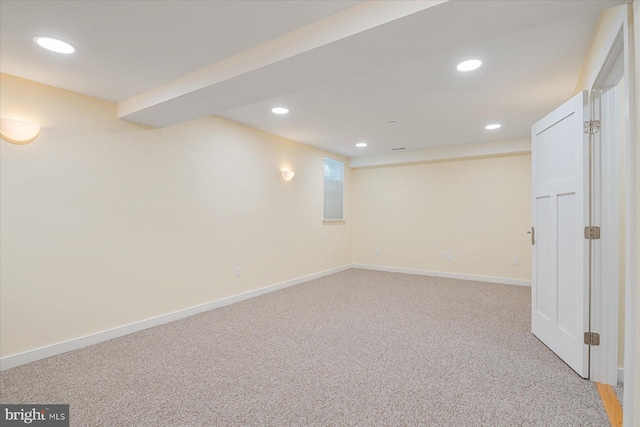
x: 358, y: 348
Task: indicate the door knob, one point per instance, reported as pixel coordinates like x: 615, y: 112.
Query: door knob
x: 533, y: 234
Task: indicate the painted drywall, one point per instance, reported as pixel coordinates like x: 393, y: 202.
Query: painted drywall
x: 605, y: 26
x: 478, y: 210
x: 505, y: 147
x: 105, y: 223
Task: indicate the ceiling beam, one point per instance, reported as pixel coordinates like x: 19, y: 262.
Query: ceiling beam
x: 252, y: 76
x: 508, y: 147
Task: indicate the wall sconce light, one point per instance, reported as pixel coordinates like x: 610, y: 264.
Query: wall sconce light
x: 287, y: 175
x: 18, y: 131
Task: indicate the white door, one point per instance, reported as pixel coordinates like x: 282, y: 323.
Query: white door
x: 560, y: 210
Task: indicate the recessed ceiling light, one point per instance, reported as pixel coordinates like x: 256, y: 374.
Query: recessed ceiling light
x: 280, y: 110
x: 361, y: 144
x: 469, y: 65
x: 54, y: 45
x: 493, y: 126
x: 392, y: 122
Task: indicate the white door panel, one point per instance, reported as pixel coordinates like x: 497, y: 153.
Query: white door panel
x: 559, y: 304
x: 544, y: 304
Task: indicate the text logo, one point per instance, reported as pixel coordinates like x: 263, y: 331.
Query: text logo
x: 34, y: 415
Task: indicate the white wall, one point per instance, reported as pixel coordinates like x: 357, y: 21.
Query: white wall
x: 605, y: 27
x: 106, y: 223
x: 479, y: 210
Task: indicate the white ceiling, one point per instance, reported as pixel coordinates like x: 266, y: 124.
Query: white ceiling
x: 532, y: 55
x: 344, y: 69
x: 128, y: 47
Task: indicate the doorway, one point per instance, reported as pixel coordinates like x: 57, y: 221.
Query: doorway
x: 576, y: 212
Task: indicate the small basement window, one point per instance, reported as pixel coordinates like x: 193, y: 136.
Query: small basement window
x: 333, y: 190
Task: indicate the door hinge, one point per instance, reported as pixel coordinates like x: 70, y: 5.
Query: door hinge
x: 592, y: 126
x: 592, y: 338
x: 592, y: 232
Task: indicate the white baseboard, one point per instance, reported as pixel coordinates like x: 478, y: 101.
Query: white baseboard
x: 14, y: 360
x: 501, y: 280
x: 620, y: 376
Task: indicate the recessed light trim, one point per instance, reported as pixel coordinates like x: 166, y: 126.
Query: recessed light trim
x: 280, y: 110
x: 54, y: 45
x: 493, y: 126
x: 361, y: 144
x: 469, y: 65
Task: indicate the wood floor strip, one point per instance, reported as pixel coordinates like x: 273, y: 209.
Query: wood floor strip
x: 611, y: 404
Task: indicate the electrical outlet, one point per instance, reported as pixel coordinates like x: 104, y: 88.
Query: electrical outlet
x: 516, y: 260
x: 237, y: 271
x: 377, y: 251
x: 450, y: 256
x: 440, y: 255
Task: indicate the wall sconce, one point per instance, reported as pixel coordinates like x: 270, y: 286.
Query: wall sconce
x: 18, y: 131
x: 287, y: 175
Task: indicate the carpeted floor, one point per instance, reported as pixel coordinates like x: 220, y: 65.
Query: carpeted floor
x: 358, y: 348
x: 619, y: 393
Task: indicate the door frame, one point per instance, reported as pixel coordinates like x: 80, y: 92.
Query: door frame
x: 621, y: 38
x: 605, y: 213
